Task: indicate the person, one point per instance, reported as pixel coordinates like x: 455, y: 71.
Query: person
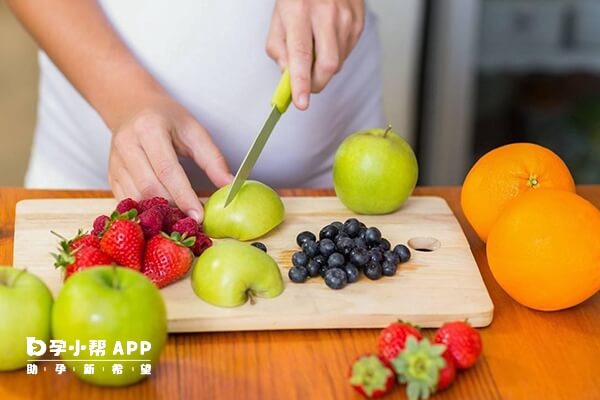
x: 158, y: 98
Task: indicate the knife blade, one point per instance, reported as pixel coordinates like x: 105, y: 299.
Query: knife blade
x: 282, y: 97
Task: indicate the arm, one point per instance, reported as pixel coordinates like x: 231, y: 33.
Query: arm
x: 149, y: 128
x: 334, y: 26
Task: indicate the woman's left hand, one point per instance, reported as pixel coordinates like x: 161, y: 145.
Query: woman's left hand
x: 334, y: 25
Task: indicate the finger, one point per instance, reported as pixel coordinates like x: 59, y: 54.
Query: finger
x: 345, y: 33
x: 300, y: 52
x: 118, y: 192
x: 326, y: 48
x: 358, y: 24
x: 163, y: 159
x: 126, y: 181
x: 207, y: 155
x: 138, y: 172
x: 276, y: 41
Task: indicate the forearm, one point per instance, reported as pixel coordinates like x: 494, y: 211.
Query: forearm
x: 79, y: 39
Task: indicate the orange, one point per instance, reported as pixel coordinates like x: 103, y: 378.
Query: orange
x: 544, y: 249
x: 504, y: 173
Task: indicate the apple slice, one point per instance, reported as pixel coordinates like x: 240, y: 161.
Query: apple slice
x: 228, y: 274
x: 255, y: 211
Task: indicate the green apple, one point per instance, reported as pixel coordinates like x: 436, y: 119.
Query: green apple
x: 118, y: 305
x: 374, y: 171
x: 25, y: 307
x: 229, y: 273
x: 255, y: 211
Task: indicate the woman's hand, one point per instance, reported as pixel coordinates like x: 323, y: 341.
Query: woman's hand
x: 143, y: 156
x: 334, y: 25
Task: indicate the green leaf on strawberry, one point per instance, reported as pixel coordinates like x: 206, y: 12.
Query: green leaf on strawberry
x: 419, y: 365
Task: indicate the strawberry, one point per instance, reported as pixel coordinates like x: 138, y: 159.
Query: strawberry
x: 83, y: 256
x: 463, y: 342
x: 81, y: 239
x: 371, y: 376
x: 419, y: 366
x: 124, y: 240
x: 393, y: 338
x: 447, y: 373
x: 168, y: 258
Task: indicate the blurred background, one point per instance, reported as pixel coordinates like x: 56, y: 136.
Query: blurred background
x: 461, y: 77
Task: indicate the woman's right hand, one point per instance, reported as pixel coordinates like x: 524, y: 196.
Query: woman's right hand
x: 144, y: 154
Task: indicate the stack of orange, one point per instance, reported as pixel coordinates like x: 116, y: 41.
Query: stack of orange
x: 543, y: 240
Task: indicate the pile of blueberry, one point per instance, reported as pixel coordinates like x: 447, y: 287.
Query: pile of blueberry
x: 342, y: 252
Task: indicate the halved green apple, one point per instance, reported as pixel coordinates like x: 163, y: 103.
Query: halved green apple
x: 228, y: 274
x: 255, y: 211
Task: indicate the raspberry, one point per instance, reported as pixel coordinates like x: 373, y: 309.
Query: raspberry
x: 172, y: 216
x: 100, y: 224
x: 149, y: 203
x: 202, y: 243
x: 151, y: 221
x: 126, y: 205
x: 186, y: 226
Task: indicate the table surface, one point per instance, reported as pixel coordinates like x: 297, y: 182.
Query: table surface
x: 527, y: 354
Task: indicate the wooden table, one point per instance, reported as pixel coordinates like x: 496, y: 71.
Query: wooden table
x: 527, y: 354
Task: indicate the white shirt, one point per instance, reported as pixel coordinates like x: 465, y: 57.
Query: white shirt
x: 210, y: 55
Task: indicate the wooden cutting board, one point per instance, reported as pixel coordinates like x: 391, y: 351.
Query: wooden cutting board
x: 433, y: 287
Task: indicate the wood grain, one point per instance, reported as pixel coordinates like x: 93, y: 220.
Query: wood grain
x: 432, y: 288
x: 527, y: 354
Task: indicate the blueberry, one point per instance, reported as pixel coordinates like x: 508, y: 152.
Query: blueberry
x: 259, y: 245
x: 313, y: 268
x: 336, y: 260
x: 362, y: 225
x: 373, y: 236
x: 323, y: 271
x: 403, y: 252
x: 391, y: 257
x: 328, y: 232
x: 326, y: 247
x: 351, y: 272
x: 362, y: 232
x: 389, y: 268
x: 340, y: 236
x: 336, y: 278
x: 345, y: 245
x: 299, y: 259
x: 304, y: 236
x: 376, y: 255
x: 373, y: 270
x: 298, y: 274
x: 384, y: 245
x: 359, y: 257
x: 351, y: 227
x: 311, y: 248
x: 338, y: 225
x: 321, y: 260
x: 360, y: 242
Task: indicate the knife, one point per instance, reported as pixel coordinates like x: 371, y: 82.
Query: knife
x: 282, y: 97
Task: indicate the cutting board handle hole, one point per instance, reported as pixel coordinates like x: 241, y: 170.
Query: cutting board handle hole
x: 424, y: 244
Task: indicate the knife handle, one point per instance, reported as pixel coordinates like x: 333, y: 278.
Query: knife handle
x: 282, y: 97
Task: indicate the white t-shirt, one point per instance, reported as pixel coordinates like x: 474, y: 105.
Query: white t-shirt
x: 210, y: 55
